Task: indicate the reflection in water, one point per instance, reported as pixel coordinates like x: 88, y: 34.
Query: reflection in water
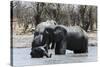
x: 21, y: 56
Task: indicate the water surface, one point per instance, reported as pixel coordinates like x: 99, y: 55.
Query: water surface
x: 21, y: 57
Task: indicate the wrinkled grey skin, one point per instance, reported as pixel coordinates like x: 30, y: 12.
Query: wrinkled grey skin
x: 41, y: 40
x: 75, y: 38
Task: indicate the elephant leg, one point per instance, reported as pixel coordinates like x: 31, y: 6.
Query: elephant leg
x: 60, y: 48
x: 53, y: 45
x: 48, y: 44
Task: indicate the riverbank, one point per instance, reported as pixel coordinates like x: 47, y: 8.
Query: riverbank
x: 24, y: 41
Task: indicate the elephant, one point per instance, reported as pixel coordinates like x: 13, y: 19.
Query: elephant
x: 73, y: 38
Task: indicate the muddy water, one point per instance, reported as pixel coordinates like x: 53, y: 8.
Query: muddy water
x: 21, y: 57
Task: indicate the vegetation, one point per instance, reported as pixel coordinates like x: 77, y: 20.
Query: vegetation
x: 33, y: 13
